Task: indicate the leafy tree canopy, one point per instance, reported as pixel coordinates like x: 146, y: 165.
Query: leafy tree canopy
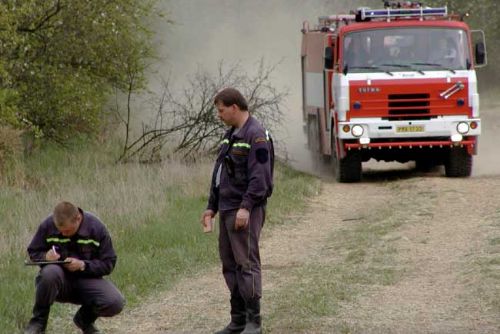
x: 482, y: 14
x: 59, y: 60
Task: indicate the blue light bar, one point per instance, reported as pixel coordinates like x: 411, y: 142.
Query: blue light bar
x: 367, y: 13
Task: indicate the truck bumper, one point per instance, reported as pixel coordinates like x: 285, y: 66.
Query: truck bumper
x: 437, y: 132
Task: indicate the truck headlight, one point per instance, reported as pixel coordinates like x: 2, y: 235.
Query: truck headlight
x: 357, y: 130
x: 463, y: 128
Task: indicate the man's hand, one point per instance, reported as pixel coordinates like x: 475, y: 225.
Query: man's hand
x: 241, y: 222
x: 75, y: 264
x: 206, y: 218
x: 52, y: 255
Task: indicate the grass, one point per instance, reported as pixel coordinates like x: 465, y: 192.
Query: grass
x: 151, y: 211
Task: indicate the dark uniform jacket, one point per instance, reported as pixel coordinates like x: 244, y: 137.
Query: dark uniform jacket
x: 91, y: 243
x: 246, y: 178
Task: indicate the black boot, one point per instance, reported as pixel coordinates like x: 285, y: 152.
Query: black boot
x: 238, y: 316
x: 84, y: 319
x: 254, y: 320
x: 38, y: 322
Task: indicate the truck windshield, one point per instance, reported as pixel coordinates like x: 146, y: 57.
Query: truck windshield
x: 405, y: 49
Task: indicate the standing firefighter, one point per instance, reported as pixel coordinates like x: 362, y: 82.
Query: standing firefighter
x: 241, y: 184
x: 81, y: 240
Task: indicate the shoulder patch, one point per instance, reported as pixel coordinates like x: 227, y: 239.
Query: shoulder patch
x: 260, y: 140
x: 262, y: 155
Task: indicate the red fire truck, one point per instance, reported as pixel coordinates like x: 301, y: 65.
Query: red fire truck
x: 392, y: 84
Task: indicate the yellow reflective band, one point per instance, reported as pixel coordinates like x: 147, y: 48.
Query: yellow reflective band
x: 225, y: 141
x: 245, y: 145
x: 58, y: 240
x: 88, y: 241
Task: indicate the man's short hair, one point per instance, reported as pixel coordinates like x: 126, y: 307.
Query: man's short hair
x: 230, y: 96
x: 65, y: 212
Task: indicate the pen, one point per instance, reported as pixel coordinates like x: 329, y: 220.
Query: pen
x: 54, y: 249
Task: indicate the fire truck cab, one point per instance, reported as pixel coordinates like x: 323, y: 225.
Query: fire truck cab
x: 392, y: 84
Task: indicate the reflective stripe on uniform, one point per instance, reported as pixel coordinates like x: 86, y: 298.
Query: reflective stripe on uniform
x: 244, y: 145
x: 88, y: 241
x: 58, y: 240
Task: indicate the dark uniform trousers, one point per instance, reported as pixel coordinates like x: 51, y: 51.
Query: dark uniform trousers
x: 98, y: 297
x: 239, y: 253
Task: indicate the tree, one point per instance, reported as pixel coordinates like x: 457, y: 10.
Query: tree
x: 8, y: 96
x: 483, y: 14
x: 60, y: 60
x: 188, y: 121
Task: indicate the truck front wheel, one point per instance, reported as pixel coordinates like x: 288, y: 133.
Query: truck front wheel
x: 348, y: 169
x: 458, y: 163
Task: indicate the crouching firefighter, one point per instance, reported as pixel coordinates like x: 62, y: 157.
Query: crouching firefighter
x: 76, y: 251
x: 242, y: 180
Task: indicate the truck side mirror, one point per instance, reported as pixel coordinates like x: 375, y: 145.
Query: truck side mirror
x: 328, y: 58
x: 480, y: 54
x: 479, y: 42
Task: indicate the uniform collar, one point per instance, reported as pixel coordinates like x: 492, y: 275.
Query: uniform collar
x: 244, y: 129
x: 83, y: 230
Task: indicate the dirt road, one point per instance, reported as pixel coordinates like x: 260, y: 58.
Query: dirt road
x: 437, y: 237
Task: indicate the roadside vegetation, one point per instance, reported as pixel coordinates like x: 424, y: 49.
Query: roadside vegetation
x: 480, y: 14
x: 151, y: 210
x: 61, y: 59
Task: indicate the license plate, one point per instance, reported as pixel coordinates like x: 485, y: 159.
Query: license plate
x: 410, y: 128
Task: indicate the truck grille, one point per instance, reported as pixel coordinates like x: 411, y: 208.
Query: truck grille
x: 409, y: 106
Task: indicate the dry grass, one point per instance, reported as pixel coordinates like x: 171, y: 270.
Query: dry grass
x: 126, y: 197
x: 10, y: 150
x: 151, y: 210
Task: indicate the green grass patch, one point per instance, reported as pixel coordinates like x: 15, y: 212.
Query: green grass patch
x: 151, y: 211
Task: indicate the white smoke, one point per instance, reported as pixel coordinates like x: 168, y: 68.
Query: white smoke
x: 242, y: 31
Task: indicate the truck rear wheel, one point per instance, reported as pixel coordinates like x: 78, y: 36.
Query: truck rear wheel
x: 458, y: 163
x: 348, y: 169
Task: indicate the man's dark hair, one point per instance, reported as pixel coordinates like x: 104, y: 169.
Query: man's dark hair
x: 230, y: 96
x: 65, y: 213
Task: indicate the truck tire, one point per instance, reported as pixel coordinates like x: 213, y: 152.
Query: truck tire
x: 458, y: 163
x: 348, y: 169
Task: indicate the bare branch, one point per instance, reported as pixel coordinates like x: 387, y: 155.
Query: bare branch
x: 189, y: 119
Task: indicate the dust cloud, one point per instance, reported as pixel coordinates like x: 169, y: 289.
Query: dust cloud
x: 242, y: 31
x: 487, y: 161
